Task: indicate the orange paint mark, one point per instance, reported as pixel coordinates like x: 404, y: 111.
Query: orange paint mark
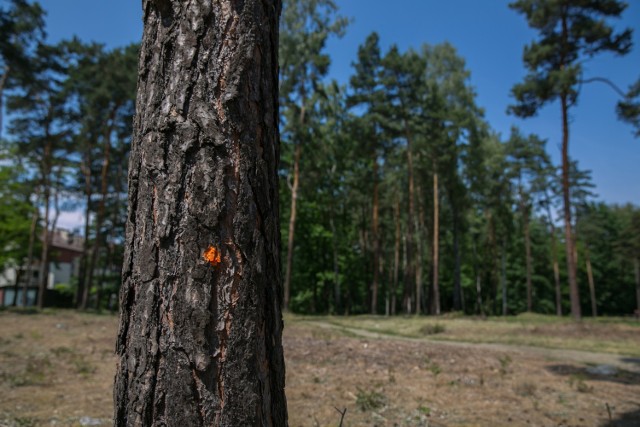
x: 212, y: 255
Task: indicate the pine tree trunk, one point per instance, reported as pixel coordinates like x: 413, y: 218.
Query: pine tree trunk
x: 396, y: 256
x: 101, y: 210
x: 84, y: 260
x: 292, y: 225
x: 457, y: 284
x: 376, y: 239
x: 636, y: 267
x: 592, y: 286
x: 503, y: 276
x: 44, y: 256
x: 527, y: 250
x: 574, y: 294
x: 410, y: 228
x: 199, y: 342
x: 436, y: 242
x: 554, y: 255
x: 556, y: 278
x: 32, y: 240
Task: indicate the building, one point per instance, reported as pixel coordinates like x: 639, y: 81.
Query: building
x: 66, y: 250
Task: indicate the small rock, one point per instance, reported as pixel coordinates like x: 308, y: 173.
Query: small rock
x: 88, y: 421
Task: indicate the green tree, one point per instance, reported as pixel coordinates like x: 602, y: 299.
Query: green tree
x: 528, y: 162
x: 22, y: 29
x: 570, y: 31
x: 304, y: 29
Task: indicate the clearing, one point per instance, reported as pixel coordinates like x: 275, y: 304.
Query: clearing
x: 56, y: 368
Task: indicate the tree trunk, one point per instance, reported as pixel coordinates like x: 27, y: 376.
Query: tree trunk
x: 32, y: 241
x: 457, y: 284
x: 336, y: 265
x: 199, y: 342
x: 436, y: 243
x: 592, y: 287
x: 292, y: 224
x: 574, y: 293
x: 101, y: 209
x: 376, y: 239
x: 636, y: 267
x: 503, y: 276
x: 44, y: 257
x: 410, y: 229
x: 527, y: 251
x: 554, y: 255
x: 84, y: 260
x: 396, y: 256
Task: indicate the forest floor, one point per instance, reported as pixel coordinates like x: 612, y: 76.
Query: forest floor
x: 56, y: 368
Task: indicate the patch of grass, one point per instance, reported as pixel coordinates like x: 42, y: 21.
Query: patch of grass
x: 370, y: 400
x: 425, y: 410
x: 34, y: 373
x: 435, y: 369
x: 81, y: 365
x: 577, y: 382
x: 525, y: 389
x: 59, y: 351
x: 505, y: 361
x: 432, y: 329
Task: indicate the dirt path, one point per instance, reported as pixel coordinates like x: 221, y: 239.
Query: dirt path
x: 627, y: 363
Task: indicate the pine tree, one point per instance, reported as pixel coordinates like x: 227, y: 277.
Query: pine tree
x: 570, y: 30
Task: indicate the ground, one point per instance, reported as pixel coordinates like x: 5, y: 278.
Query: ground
x: 57, y: 368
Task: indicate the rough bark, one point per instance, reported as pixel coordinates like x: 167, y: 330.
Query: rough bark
x: 199, y: 342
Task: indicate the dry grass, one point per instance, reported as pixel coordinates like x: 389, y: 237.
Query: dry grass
x: 608, y: 335
x: 56, y: 368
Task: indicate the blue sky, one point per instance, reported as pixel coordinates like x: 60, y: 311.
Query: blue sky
x: 486, y: 33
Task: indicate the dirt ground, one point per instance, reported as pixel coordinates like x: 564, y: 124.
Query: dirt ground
x: 57, y: 369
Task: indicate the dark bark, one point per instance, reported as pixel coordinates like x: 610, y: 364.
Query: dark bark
x: 199, y: 342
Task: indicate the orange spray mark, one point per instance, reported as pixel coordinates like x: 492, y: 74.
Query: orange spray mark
x: 212, y: 255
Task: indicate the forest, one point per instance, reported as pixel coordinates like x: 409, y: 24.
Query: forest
x: 396, y: 195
